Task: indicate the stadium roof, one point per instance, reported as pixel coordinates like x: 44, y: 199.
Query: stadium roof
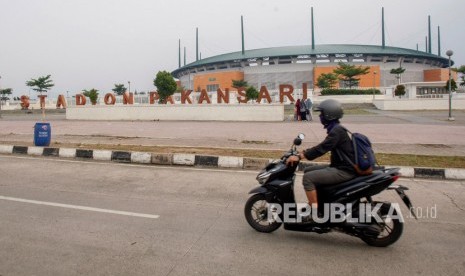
x: 320, y: 50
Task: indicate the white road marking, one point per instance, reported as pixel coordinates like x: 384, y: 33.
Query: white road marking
x: 77, y: 207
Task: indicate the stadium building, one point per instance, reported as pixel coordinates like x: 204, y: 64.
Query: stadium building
x: 298, y: 65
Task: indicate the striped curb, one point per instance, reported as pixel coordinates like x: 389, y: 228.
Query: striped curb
x: 86, y: 154
x: 51, y: 152
x: 141, y: 157
x: 35, y: 151
x: 184, y: 159
x: 6, y: 149
x: 121, y: 156
x: 19, y: 150
x: 206, y: 161
x: 102, y: 155
x: 162, y: 158
x: 67, y: 153
x: 232, y: 162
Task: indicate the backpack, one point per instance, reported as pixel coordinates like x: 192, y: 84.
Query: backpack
x: 365, y: 159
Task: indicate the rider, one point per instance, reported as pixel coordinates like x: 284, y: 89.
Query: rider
x: 339, y: 170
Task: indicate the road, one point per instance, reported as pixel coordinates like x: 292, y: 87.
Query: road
x: 191, y: 223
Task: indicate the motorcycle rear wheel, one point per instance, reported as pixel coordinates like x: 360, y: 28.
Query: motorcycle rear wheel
x: 391, y: 228
x: 256, y: 214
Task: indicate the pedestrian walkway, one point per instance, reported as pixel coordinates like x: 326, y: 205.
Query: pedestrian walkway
x: 424, y: 133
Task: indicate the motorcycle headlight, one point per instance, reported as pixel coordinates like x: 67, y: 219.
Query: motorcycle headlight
x: 263, y: 177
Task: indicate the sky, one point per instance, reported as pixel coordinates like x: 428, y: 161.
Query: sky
x: 85, y: 44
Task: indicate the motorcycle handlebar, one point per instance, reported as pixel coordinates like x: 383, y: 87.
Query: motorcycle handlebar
x: 289, y: 154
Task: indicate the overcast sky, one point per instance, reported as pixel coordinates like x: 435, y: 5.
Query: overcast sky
x: 88, y: 44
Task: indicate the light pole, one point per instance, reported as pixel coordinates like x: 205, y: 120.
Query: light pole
x: 449, y: 53
x: 129, y: 86
x: 374, y: 84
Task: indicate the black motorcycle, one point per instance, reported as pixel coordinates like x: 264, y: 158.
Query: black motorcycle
x: 273, y: 204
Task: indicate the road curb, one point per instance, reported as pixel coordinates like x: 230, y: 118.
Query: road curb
x: 229, y: 162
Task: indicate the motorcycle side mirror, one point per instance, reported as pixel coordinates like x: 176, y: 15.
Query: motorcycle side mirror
x: 298, y: 140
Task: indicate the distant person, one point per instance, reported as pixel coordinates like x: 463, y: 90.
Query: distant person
x: 309, y: 107
x: 297, y: 110
x: 303, y: 110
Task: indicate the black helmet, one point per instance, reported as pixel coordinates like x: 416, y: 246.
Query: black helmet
x: 331, y: 109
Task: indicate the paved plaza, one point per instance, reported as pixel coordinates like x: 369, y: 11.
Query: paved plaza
x: 421, y: 132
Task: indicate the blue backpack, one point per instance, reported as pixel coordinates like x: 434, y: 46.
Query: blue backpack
x: 365, y: 159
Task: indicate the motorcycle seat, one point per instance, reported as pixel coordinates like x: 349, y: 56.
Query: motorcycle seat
x: 358, y: 179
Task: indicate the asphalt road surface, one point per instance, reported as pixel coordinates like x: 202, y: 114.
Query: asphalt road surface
x: 63, y: 217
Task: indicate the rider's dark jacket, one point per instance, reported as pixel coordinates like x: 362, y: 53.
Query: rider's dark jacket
x: 336, y: 140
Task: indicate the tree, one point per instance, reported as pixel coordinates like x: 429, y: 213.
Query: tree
x: 4, y: 97
x: 239, y: 83
x: 92, y: 94
x: 349, y: 73
x: 398, y: 72
x: 180, y: 88
x: 251, y: 93
x: 461, y: 70
x: 328, y: 80
x: 399, y: 91
x: 4, y: 94
x: 119, y: 89
x: 453, y: 85
x: 41, y: 85
x: 165, y: 84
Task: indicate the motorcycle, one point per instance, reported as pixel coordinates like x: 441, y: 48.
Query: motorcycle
x: 264, y: 209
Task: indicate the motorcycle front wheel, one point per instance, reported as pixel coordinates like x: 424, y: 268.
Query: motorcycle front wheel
x: 257, y: 214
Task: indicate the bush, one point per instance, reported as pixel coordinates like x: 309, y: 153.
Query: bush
x: 328, y: 92
x: 400, y: 90
x: 251, y: 93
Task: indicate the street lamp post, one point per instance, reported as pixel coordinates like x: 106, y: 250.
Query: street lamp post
x: 129, y: 86
x: 374, y: 84
x: 449, y: 53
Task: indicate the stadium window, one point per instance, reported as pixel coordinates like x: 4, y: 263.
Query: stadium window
x: 212, y: 87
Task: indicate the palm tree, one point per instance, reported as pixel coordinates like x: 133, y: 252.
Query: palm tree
x: 92, y: 94
x: 349, y: 73
x: 398, y: 72
x: 4, y: 93
x: 119, y: 89
x: 239, y: 83
x: 326, y: 81
x: 41, y: 85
